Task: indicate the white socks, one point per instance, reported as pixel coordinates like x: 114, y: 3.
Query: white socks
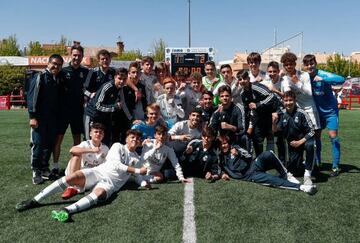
x: 57, y: 186
x: 84, y: 203
x: 307, y: 173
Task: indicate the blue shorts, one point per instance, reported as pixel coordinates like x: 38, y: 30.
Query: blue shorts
x: 331, y: 122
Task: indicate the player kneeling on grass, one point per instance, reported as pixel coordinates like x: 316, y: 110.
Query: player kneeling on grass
x: 154, y: 155
x: 87, y: 154
x: 237, y: 163
x: 105, y: 179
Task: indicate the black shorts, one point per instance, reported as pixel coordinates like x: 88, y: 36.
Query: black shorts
x: 75, y: 121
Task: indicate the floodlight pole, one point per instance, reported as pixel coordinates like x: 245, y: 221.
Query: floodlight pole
x: 189, y: 19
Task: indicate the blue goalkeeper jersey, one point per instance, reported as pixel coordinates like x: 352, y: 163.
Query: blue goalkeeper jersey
x: 325, y: 100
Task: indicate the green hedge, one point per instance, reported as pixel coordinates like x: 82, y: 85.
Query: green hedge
x: 11, y: 77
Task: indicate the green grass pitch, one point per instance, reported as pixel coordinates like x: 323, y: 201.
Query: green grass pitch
x: 224, y: 211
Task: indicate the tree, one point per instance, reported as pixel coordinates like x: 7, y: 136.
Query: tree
x: 59, y: 47
x: 129, y: 55
x: 11, y: 77
x: 35, y: 49
x: 158, y: 50
x: 337, y: 64
x: 9, y: 47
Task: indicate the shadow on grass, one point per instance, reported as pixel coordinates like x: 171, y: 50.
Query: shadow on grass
x: 323, y: 174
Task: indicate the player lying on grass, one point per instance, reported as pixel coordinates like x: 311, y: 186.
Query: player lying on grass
x: 154, y: 155
x: 104, y: 179
x: 87, y: 154
x: 237, y: 163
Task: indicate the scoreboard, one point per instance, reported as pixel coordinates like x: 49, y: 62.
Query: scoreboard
x: 189, y: 60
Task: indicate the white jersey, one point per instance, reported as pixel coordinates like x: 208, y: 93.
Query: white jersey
x: 269, y: 83
x: 90, y: 160
x: 182, y: 128
x: 153, y: 159
x: 170, y: 109
x: 116, y: 165
x: 303, y: 92
x: 253, y: 78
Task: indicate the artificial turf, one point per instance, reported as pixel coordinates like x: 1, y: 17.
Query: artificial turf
x: 224, y: 211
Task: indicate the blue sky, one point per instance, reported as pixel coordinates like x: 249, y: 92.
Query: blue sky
x: 229, y: 26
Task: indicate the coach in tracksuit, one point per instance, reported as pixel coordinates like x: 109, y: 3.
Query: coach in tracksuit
x: 71, y: 103
x: 43, y: 107
x: 298, y: 130
x: 258, y: 104
x: 106, y: 102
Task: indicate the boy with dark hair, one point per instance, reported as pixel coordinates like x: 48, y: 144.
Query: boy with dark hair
x: 273, y: 83
x: 254, y: 61
x: 258, y: 104
x: 232, y: 82
x: 326, y: 104
x: 212, y: 81
x: 207, y: 106
x: 191, y: 94
x: 229, y: 118
x: 184, y: 131
x: 136, y: 100
x: 104, y: 179
x: 200, y: 157
x: 237, y: 163
x: 106, y: 102
x: 299, y: 82
x: 87, y: 154
x: 154, y: 155
x: 43, y: 107
x: 298, y: 130
x: 148, y: 78
x: 99, y: 75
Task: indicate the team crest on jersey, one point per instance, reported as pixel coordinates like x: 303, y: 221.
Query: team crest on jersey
x: 68, y: 76
x: 81, y: 75
x: 296, y: 119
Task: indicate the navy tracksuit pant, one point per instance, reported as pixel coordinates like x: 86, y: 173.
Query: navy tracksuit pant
x: 42, y: 143
x: 264, y: 162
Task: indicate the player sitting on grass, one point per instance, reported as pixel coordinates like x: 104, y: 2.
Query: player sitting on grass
x: 201, y: 158
x: 105, y: 179
x: 87, y: 154
x: 154, y: 155
x: 237, y: 163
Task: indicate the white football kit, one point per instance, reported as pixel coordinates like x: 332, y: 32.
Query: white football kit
x: 90, y: 160
x: 112, y: 174
x: 153, y: 159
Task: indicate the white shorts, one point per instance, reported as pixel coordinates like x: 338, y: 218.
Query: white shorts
x: 314, y: 116
x: 95, y: 179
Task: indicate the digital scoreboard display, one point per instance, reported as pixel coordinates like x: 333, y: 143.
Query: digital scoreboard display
x: 189, y: 60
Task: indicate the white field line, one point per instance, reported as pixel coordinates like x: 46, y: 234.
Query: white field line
x: 189, y: 227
